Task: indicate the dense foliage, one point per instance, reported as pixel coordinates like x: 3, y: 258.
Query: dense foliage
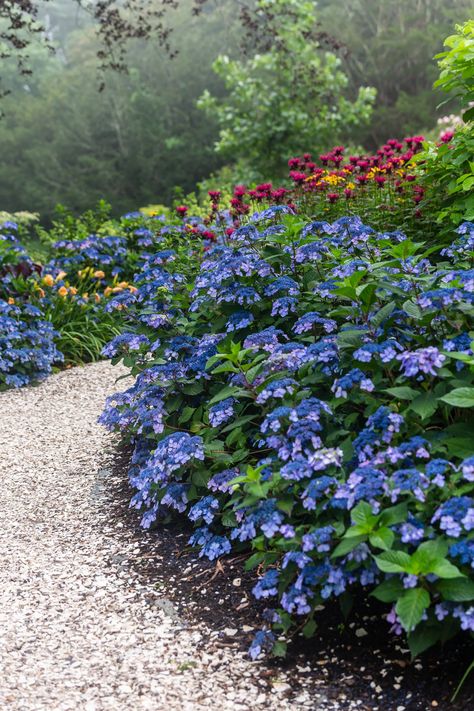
x: 303, y: 361
x: 390, y: 45
x: 305, y: 395
x: 62, y: 141
x: 286, y: 98
x: 448, y: 169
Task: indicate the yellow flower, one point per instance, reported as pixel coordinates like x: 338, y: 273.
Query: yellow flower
x: 133, y: 289
x: 351, y: 186
x: 85, y: 296
x: 97, y: 298
x: 73, y: 290
x: 62, y: 291
x: 11, y: 301
x: 107, y: 291
x: 48, y: 280
x: 41, y: 293
x: 123, y: 284
x: 61, y: 275
x: 99, y: 274
x: 116, y: 289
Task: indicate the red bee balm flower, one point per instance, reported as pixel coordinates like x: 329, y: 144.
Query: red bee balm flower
x: 182, y: 210
x: 447, y: 136
x: 332, y: 197
x: 297, y: 176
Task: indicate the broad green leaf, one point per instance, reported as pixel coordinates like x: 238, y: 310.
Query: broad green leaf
x: 427, y: 555
x: 383, y: 313
x: 459, y: 446
x: 382, y: 538
x: 424, y: 405
x: 346, y: 603
x: 412, y: 310
x: 456, y: 589
x: 393, y: 515
x: 309, y: 629
x: 186, y: 415
x: 445, y: 569
x: 393, y: 562
x: 225, y: 368
x: 192, y: 388
x: 460, y: 397
x: 362, y: 514
x: 229, y: 391
x: 403, y: 392
x: 389, y: 590
x: 421, y: 639
x: 359, y: 530
x: 347, y: 545
x: 279, y: 649
x: 411, y: 606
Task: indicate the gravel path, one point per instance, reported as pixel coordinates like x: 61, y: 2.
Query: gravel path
x: 75, y: 631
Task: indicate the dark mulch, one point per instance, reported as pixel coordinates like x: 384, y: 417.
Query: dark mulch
x: 348, y: 661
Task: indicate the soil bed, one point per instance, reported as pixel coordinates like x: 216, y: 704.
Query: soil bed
x: 352, y: 664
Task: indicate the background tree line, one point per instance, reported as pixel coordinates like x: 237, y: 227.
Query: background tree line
x: 63, y: 141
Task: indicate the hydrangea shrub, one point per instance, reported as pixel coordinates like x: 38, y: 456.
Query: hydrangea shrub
x: 303, y: 392
x: 27, y: 347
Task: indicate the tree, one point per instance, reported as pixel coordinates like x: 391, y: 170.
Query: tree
x: 61, y: 141
x: 390, y: 45
x: 287, y: 99
x: 116, y: 22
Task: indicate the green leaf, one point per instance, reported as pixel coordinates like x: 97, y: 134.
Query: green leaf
x: 228, y: 391
x: 347, y: 545
x: 192, y: 388
x: 388, y: 591
x: 186, y: 415
x: 456, y: 589
x: 279, y: 649
x: 225, y: 368
x: 411, y: 606
x: 358, y: 530
x: 346, y: 603
x: 446, y: 570
x: 403, y: 392
x: 309, y: 629
x: 393, y: 515
x: 382, y: 314
x: 252, y: 373
x: 427, y: 555
x: 393, y: 562
x: 460, y: 397
x: 382, y: 538
x: 362, y: 514
x: 424, y: 405
x: 459, y: 446
x: 413, y: 310
x: 422, y: 639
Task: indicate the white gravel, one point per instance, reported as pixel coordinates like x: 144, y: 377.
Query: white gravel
x: 76, y: 632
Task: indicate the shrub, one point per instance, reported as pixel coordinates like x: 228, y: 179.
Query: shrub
x: 27, y: 348
x: 448, y: 167
x: 304, y: 395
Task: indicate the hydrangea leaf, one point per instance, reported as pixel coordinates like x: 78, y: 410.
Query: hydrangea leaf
x: 460, y: 397
x: 411, y: 606
x: 393, y: 562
